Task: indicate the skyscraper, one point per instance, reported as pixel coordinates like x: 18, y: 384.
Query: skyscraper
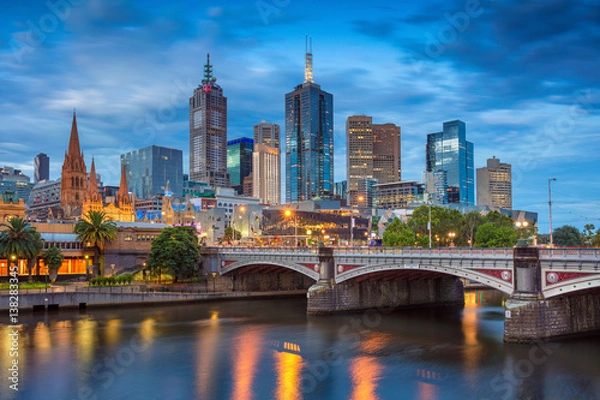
x: 373, y: 154
x: 266, y: 133
x: 151, y: 168
x: 41, y: 168
x: 208, y: 132
x: 266, y: 179
x: 239, y: 162
x: 449, y: 157
x: 308, y: 139
x: 494, y: 185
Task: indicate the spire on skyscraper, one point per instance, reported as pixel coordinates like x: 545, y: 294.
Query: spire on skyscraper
x: 207, y: 70
x: 308, y: 70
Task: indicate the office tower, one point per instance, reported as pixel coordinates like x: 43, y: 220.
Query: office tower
x: 41, y: 168
x: 386, y: 153
x: 239, y: 162
x: 208, y: 132
x: 449, y: 159
x: 151, y: 169
x: 373, y: 152
x: 266, y: 133
x: 308, y: 140
x: 340, y: 191
x: 265, y: 176
x: 494, y: 185
x: 73, y: 182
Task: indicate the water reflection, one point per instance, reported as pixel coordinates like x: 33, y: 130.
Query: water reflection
x: 207, y: 353
x: 288, y: 367
x: 366, y: 370
x: 470, y: 328
x: 246, y: 354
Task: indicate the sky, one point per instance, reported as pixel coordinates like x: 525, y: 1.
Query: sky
x: 523, y: 75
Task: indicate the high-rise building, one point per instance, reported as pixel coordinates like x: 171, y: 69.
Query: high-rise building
x: 265, y: 176
x: 208, y: 132
x: 266, y: 133
x: 449, y: 156
x: 151, y: 169
x: 41, y: 168
x: 73, y: 182
x: 494, y: 185
x: 239, y: 162
x: 373, y: 152
x: 387, y: 160
x: 308, y: 140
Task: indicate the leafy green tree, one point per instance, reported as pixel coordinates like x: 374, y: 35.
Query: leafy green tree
x: 499, y: 219
x: 443, y: 221
x: 96, y: 229
x: 470, y: 223
x: 231, y: 235
x: 567, y: 236
x: 588, y: 234
x: 19, y: 239
x: 177, y: 250
x: 491, y: 235
x: 398, y: 233
x: 53, y: 258
x: 37, y: 244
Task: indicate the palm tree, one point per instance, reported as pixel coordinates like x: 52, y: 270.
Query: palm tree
x: 53, y: 258
x: 19, y: 239
x: 97, y: 230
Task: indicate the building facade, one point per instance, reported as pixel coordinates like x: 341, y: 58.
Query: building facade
x: 239, y: 162
x: 387, y: 156
x: 151, y: 169
x: 266, y: 181
x: 396, y: 195
x: 494, y: 185
x: 268, y: 134
x: 449, y: 160
x: 41, y: 168
x: 208, y: 132
x: 309, y: 140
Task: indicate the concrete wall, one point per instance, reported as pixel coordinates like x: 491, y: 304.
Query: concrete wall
x: 528, y: 320
x: 323, y: 298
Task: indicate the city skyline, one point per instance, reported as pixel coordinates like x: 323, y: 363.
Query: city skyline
x: 521, y: 76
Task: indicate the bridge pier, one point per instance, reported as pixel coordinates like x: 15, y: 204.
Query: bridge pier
x: 326, y: 297
x: 530, y: 318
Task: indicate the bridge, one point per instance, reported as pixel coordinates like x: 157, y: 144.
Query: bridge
x: 350, y: 279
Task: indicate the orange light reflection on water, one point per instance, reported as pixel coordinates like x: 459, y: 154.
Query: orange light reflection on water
x: 206, y: 355
x: 289, y: 367
x: 246, y: 355
x: 366, y: 371
x: 470, y: 328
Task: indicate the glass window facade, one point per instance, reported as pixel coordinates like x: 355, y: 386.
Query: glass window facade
x: 239, y: 161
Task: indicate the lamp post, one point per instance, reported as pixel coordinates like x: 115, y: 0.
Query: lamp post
x: 112, y: 268
x: 429, y: 225
x: 87, y: 266
x: 521, y: 226
x: 451, y: 235
x: 288, y: 213
x: 550, y: 209
x: 46, y: 280
x: 214, y: 275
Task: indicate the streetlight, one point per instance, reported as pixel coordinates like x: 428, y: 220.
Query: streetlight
x: 521, y: 226
x: 451, y: 235
x: 87, y: 267
x: 550, y: 210
x: 288, y: 213
x: 46, y: 280
x: 112, y: 267
x: 214, y: 275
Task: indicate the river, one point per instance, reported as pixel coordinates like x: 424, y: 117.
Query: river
x: 270, y: 349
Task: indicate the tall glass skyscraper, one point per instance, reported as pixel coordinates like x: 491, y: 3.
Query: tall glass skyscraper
x: 449, y: 156
x: 308, y: 140
x: 149, y: 169
x: 239, y: 161
x: 208, y: 132
x: 41, y: 168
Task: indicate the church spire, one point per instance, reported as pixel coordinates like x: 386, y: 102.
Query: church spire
x: 93, y: 185
x: 308, y: 68
x: 74, y: 149
x: 123, y: 192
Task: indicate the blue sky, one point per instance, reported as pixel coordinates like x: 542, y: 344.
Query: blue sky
x: 524, y: 76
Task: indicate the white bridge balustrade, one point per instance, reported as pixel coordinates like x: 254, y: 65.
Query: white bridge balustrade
x: 562, y: 270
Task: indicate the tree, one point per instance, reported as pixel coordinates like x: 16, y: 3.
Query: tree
x: 37, y: 244
x: 96, y: 229
x: 177, y: 250
x: 53, y: 258
x: 490, y: 235
x: 398, y: 233
x: 470, y: 223
x: 588, y: 234
x: 231, y: 235
x: 566, y: 236
x: 19, y: 239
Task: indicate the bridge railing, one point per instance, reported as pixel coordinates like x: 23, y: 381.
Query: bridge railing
x: 267, y: 249
x: 571, y: 253
x: 364, y: 250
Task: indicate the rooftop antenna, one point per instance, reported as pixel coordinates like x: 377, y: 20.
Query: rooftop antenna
x: 308, y: 69
x: 207, y: 70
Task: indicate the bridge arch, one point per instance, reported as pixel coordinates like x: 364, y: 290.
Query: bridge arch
x: 292, y: 266
x: 504, y: 285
